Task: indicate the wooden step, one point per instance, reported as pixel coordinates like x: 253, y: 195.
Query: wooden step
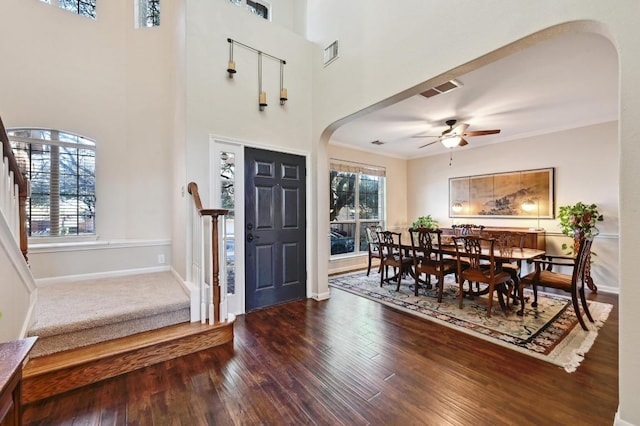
x: 57, y: 373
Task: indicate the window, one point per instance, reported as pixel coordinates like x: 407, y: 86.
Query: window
x: 260, y: 8
x: 356, y: 201
x: 81, y: 7
x: 227, y: 201
x: 148, y: 13
x: 60, y: 167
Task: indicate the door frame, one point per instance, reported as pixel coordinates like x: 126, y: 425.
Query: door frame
x: 236, y: 302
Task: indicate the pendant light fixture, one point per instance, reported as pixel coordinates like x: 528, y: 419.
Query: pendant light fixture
x: 231, y: 66
x: 283, y: 90
x: 262, y: 95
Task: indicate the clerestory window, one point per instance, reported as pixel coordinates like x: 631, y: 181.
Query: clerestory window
x: 356, y: 202
x: 257, y: 7
x: 60, y: 167
x: 148, y: 13
x: 81, y: 7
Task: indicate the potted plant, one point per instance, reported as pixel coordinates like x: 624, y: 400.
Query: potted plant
x: 425, y: 222
x: 579, y: 221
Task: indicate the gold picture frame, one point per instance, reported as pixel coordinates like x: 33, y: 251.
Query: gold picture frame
x: 522, y: 194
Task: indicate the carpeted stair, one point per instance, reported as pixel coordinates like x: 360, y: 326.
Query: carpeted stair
x: 76, y: 314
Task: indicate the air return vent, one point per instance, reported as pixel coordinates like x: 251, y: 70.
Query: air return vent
x: 443, y: 88
x: 331, y: 53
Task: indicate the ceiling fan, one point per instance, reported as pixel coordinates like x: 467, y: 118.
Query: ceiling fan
x: 454, y: 136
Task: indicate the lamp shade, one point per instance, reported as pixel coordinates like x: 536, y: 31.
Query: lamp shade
x: 529, y: 205
x: 450, y: 141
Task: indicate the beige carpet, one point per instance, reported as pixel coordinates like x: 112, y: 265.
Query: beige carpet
x: 81, y: 313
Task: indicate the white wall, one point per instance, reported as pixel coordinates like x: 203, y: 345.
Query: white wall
x: 104, y: 80
x: 586, y: 169
x: 396, y: 196
x: 17, y: 288
x: 387, y: 53
x: 227, y: 108
x: 55, y: 263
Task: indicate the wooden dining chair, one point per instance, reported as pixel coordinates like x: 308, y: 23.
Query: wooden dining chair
x: 508, y: 241
x: 373, y: 245
x: 428, y: 259
x: 392, y: 254
x: 469, y: 251
x: 544, y: 276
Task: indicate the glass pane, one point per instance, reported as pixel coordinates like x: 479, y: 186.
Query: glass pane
x: 369, y: 193
x: 227, y: 196
x: 363, y: 235
x: 227, y: 165
x: 227, y: 201
x: 231, y: 269
x: 342, y: 237
x: 342, y: 187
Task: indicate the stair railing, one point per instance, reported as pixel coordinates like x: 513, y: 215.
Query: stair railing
x: 14, y: 190
x: 203, y: 243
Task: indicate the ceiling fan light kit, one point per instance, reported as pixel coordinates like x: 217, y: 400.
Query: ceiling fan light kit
x: 454, y: 136
x: 450, y: 141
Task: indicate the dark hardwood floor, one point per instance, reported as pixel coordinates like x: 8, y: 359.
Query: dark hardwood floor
x: 350, y: 361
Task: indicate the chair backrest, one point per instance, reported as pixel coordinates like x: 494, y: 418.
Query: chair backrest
x: 390, y: 243
x: 467, y: 229
x: 507, y: 241
x: 581, y: 261
x: 423, y: 241
x: 469, y: 248
x: 372, y: 238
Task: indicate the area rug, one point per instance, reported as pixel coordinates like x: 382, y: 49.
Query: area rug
x: 550, y: 332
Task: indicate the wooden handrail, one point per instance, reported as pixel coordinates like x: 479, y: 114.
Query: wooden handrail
x: 22, y: 188
x: 214, y: 213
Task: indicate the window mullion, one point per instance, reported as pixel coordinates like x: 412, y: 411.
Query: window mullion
x: 357, y: 218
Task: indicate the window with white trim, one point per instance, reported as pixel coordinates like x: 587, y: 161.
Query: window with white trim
x: 60, y: 167
x: 227, y: 201
x: 356, y: 201
x: 85, y: 8
x: 257, y: 7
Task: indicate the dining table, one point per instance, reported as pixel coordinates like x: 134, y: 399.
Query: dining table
x: 501, y: 256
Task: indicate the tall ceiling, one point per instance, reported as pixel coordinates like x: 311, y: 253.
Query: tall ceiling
x: 562, y: 83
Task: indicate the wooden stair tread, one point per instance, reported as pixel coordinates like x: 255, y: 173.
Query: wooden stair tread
x: 66, y: 359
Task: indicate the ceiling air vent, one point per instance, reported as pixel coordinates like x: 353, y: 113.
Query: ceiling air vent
x: 331, y: 53
x: 443, y: 88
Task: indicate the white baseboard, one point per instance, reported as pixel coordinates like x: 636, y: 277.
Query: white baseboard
x: 68, y: 278
x: 606, y: 289
x: 617, y: 421
x: 321, y: 296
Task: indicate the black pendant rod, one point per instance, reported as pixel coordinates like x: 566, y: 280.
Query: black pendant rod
x: 256, y: 50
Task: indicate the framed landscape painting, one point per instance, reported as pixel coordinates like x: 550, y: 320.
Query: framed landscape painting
x: 521, y: 194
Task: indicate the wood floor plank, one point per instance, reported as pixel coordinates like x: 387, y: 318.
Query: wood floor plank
x: 349, y: 360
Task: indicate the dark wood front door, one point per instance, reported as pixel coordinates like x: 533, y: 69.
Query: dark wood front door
x: 275, y: 222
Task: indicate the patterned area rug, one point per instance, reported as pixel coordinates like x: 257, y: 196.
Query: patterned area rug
x: 550, y: 332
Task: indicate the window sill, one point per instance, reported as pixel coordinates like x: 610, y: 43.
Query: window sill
x: 339, y: 257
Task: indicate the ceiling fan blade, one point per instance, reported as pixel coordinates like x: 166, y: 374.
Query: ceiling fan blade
x: 430, y: 143
x: 481, y: 132
x: 463, y: 142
